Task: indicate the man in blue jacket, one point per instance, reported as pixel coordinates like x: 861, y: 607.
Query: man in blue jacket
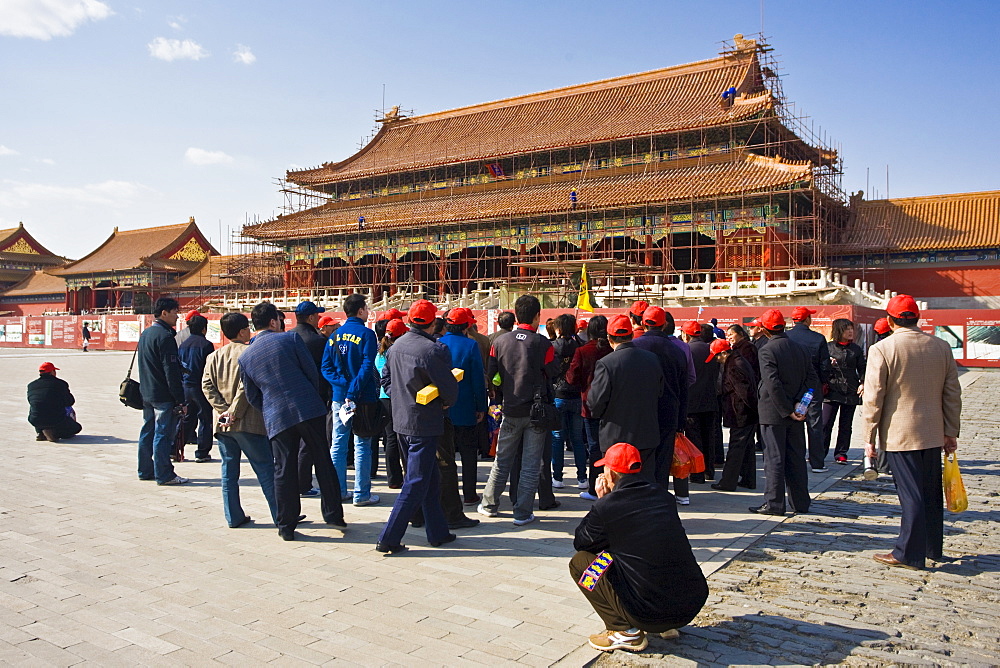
x: 413, y: 362
x: 281, y: 381
x: 349, y: 367
x: 162, y: 395
x: 468, y: 411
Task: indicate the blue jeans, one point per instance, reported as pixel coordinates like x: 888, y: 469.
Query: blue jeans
x: 257, y: 448
x: 572, y: 426
x: 341, y: 438
x: 512, y: 431
x: 156, y: 441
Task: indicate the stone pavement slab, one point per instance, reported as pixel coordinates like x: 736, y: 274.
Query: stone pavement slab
x: 97, y: 566
x: 809, y: 593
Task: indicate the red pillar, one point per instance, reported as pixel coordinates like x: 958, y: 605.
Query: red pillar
x: 393, y: 275
x: 523, y: 251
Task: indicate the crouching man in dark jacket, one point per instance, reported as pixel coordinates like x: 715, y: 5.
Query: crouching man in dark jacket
x: 638, y: 580
x: 50, y: 406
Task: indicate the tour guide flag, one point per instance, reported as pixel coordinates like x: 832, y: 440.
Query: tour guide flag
x: 583, y: 299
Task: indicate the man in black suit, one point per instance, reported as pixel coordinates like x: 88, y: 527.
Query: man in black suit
x: 786, y: 373
x: 307, y: 316
x: 624, y: 395
x: 814, y: 344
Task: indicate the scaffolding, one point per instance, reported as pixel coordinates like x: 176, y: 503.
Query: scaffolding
x: 758, y: 233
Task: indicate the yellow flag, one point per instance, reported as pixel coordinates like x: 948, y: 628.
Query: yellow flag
x: 583, y: 299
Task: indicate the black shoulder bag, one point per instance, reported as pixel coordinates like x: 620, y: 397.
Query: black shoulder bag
x: 128, y: 392
x: 544, y: 414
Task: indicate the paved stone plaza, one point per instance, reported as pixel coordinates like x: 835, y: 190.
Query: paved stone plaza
x: 97, y: 566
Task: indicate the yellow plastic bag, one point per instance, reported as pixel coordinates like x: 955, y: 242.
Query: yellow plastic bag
x: 955, y: 497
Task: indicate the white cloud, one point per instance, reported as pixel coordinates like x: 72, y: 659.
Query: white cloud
x: 199, y: 156
x: 177, y: 23
x: 244, y: 55
x: 114, y: 194
x: 175, y: 49
x: 7, y: 151
x: 46, y: 161
x: 45, y: 19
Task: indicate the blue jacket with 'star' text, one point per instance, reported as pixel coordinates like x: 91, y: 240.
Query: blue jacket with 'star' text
x: 349, y: 362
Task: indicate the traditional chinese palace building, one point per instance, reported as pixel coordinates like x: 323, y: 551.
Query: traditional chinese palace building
x: 21, y: 256
x: 131, y: 269
x: 695, y: 172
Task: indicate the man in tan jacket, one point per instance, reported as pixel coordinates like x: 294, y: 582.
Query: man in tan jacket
x: 912, y: 408
x: 239, y: 426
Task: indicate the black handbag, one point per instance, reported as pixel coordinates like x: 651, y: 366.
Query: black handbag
x: 129, y: 393
x: 369, y: 419
x: 544, y: 414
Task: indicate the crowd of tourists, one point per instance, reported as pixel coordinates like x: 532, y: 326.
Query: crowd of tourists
x: 613, y: 393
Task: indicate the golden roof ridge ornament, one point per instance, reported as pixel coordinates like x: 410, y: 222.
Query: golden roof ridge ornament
x: 394, y: 115
x: 742, y: 44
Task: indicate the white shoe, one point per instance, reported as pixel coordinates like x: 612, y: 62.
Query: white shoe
x: 588, y: 496
x: 527, y: 520
x: 370, y: 501
x: 176, y: 480
x: 822, y: 469
x: 488, y: 513
x: 582, y: 484
x: 683, y: 500
x: 557, y: 484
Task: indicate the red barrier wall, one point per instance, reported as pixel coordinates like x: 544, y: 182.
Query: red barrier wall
x: 973, y: 334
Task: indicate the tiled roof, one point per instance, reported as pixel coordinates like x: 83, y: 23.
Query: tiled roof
x: 664, y: 100
x: 131, y: 249
x: 213, y: 272
x: 938, y: 222
x: 734, y: 173
x: 12, y: 236
x: 37, y: 283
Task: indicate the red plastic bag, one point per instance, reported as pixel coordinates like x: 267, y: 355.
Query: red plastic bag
x: 687, y: 458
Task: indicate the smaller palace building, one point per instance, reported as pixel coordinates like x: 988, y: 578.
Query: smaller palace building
x: 133, y: 268
x: 944, y: 249
x: 21, y: 255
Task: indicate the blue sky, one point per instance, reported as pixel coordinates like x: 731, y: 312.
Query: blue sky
x: 138, y: 114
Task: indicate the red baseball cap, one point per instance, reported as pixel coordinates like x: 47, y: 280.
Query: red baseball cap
x: 393, y: 314
x: 47, y: 367
x: 655, y: 316
x: 692, y: 328
x: 900, y: 305
x: 754, y: 323
x: 460, y: 316
x: 638, y: 307
x: 581, y: 324
x: 622, y: 458
x: 190, y: 314
x: 772, y: 320
x: 802, y: 312
x: 882, y: 326
x: 325, y: 320
x: 422, y: 312
x: 620, y: 325
x: 718, y: 346
x: 396, y: 328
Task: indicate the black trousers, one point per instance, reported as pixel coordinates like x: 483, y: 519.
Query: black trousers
x: 467, y: 449
x: 917, y: 474
x: 785, y: 466
x: 605, y: 601
x: 741, y: 462
x: 830, y: 410
x: 701, y: 430
x: 65, y: 429
x: 451, y: 502
x: 546, y: 497
x: 286, y: 473
x: 198, y: 427
x: 395, y: 458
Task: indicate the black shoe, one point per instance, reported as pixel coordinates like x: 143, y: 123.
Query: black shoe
x: 40, y: 437
x: 301, y: 518
x: 700, y: 479
x: 464, y: 523
x: 337, y: 523
x: 416, y: 525
x: 447, y: 539
x: 147, y: 478
x: 763, y: 510
x: 747, y: 486
x: 550, y: 506
x: 389, y: 549
x: 287, y: 535
x: 203, y: 460
x: 719, y: 487
x: 246, y: 520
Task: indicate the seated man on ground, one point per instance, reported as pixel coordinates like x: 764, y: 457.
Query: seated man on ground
x: 633, y: 562
x: 50, y: 404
